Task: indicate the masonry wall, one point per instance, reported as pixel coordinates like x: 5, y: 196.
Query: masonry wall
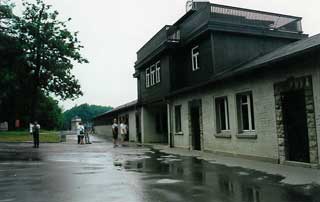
x: 148, y: 126
x: 132, y: 124
x: 265, y: 144
x: 103, y: 130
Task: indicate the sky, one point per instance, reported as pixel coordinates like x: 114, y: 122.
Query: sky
x: 113, y: 31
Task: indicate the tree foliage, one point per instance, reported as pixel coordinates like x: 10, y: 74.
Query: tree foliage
x: 50, y: 114
x: 37, y: 53
x: 85, y: 111
x: 49, y: 50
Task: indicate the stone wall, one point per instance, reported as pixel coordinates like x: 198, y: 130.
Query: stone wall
x: 105, y: 130
x: 263, y: 141
x: 305, y: 84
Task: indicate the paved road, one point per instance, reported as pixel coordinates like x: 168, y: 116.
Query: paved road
x: 97, y: 172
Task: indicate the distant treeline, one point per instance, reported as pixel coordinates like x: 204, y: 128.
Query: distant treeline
x: 85, y: 111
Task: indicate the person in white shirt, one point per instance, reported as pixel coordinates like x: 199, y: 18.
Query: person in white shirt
x: 30, y: 128
x: 81, y: 133
x: 123, y: 131
x: 115, y: 132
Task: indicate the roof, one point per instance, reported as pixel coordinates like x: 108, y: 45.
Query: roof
x: 119, y: 108
x: 284, y: 52
x: 281, y: 54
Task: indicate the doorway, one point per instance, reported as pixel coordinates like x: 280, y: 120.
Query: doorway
x: 195, y: 123
x: 138, y: 127
x: 295, y: 126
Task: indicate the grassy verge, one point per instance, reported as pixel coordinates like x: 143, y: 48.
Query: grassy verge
x: 24, y: 136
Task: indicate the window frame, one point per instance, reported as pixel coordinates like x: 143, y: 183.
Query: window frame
x: 147, y: 77
x: 195, y: 58
x: 250, y: 111
x: 152, y: 74
x: 218, y: 101
x: 177, y: 119
x: 158, y: 71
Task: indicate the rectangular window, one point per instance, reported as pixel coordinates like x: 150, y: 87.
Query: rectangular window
x: 245, y: 112
x: 177, y: 113
x: 147, y: 78
x: 222, y: 114
x: 152, y: 75
x: 158, y: 72
x: 195, y: 58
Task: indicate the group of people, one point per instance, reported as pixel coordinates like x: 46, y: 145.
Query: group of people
x: 123, y: 132
x: 83, y: 134
x: 34, y: 129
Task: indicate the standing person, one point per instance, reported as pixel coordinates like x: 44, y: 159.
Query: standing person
x: 78, y: 133
x: 81, y: 131
x: 123, y: 131
x: 36, y: 133
x: 86, y: 135
x: 115, y: 132
x: 31, y: 128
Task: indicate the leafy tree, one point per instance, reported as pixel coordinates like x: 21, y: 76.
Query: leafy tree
x: 49, y: 49
x: 50, y: 114
x: 85, y: 112
x: 6, y: 16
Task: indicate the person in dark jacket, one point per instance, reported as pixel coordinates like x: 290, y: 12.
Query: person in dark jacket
x: 115, y: 132
x: 36, y: 134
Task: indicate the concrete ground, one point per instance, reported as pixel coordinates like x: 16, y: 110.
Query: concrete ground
x: 98, y: 172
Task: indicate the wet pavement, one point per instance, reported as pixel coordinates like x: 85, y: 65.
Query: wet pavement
x: 99, y: 172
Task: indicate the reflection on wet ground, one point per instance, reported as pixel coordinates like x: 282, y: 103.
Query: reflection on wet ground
x: 176, y: 178
x: 97, y: 172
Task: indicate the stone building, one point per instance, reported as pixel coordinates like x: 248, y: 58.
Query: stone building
x: 75, y: 123
x: 233, y: 81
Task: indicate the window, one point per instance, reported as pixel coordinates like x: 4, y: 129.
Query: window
x: 177, y: 113
x: 158, y: 72
x: 245, y: 112
x: 152, y: 75
x: 195, y: 58
x: 222, y: 114
x: 147, y: 78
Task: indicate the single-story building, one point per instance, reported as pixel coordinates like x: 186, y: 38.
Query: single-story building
x: 127, y: 112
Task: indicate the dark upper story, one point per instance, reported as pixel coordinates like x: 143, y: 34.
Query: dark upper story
x: 208, y: 40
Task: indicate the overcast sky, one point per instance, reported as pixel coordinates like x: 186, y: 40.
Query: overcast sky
x: 113, y: 31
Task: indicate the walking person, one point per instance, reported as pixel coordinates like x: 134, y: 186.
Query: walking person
x: 36, y: 133
x: 123, y: 131
x: 115, y: 132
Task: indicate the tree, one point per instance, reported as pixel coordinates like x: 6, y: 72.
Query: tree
x: 50, y: 114
x: 49, y: 50
x: 85, y: 112
x: 11, y: 65
x: 6, y: 16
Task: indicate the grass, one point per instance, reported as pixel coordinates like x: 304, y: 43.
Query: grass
x: 24, y: 136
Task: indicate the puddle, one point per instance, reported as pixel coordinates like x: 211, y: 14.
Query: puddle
x: 168, y: 181
x: 212, y: 182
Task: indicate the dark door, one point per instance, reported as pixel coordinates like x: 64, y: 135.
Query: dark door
x: 195, y: 127
x: 295, y: 126
x: 128, y: 131
x: 138, y: 127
